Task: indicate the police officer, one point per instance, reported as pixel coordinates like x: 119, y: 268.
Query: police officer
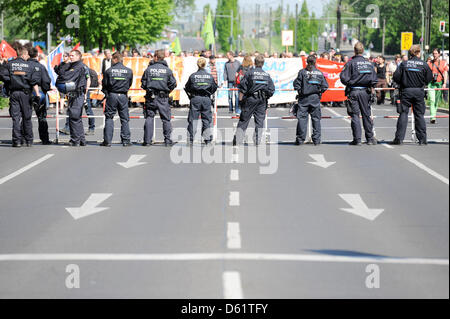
x: 39, y: 103
x: 75, y: 80
x: 158, y: 81
x: 256, y: 87
x: 360, y: 78
x: 200, y: 87
x: 116, y: 82
x: 412, y: 76
x: 310, y: 84
x: 22, y: 79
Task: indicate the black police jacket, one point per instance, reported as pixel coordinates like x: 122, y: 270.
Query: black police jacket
x: 359, y: 72
x: 201, y: 83
x: 45, y: 81
x: 21, y: 75
x: 413, y: 73
x: 255, y: 80
x: 117, y: 79
x: 76, y: 72
x: 158, y: 77
x: 310, y: 82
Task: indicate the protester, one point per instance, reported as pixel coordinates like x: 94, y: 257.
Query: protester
x: 439, y: 68
x: 381, y: 76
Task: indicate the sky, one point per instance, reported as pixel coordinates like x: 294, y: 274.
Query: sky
x: 313, y: 5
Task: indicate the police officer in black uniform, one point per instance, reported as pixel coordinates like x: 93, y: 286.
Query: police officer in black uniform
x: 200, y: 87
x: 158, y: 81
x: 75, y: 80
x: 310, y: 84
x: 412, y: 76
x: 256, y: 87
x: 39, y: 103
x: 360, y: 78
x: 116, y: 82
x: 22, y: 79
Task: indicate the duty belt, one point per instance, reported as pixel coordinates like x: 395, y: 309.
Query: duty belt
x: 358, y: 87
x: 26, y: 91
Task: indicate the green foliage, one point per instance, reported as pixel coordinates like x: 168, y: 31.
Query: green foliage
x: 223, y: 25
x: 102, y: 22
x: 401, y: 16
x: 4, y: 102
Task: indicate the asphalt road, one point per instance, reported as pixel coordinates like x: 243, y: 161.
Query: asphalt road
x: 171, y: 228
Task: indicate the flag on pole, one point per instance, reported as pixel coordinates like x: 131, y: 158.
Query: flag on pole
x: 208, y: 32
x: 77, y: 46
x: 7, y: 51
x: 54, y: 58
x: 175, y: 46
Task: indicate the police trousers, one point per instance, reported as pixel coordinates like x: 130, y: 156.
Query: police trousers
x: 41, y: 114
x: 200, y: 106
x: 359, y: 105
x: 162, y: 106
x: 20, y: 111
x: 302, y: 125
x: 116, y: 102
x: 255, y: 107
x: 412, y: 97
x: 75, y: 120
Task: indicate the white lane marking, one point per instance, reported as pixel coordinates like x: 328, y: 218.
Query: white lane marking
x: 337, y: 114
x: 320, y: 161
x: 234, y: 175
x: 387, y: 145
x: 234, y: 199
x: 26, y: 168
x: 359, y: 208
x: 425, y: 168
x: 90, y: 206
x: 225, y: 257
x: 232, y: 287
x: 233, y: 236
x: 133, y: 161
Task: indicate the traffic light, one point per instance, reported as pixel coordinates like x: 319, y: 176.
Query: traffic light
x: 375, y: 23
x: 442, y: 26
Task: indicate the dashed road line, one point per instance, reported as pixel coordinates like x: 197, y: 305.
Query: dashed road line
x: 425, y: 168
x: 234, y: 175
x: 232, y: 287
x: 234, y: 199
x: 26, y: 168
x: 234, y: 236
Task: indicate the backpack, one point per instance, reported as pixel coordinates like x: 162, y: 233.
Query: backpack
x: 94, y: 78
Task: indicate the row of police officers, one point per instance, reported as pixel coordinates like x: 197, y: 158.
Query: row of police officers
x: 27, y: 82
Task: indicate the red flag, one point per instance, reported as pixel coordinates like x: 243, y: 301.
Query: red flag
x: 77, y: 46
x: 39, y: 49
x: 7, y: 51
x: 331, y: 70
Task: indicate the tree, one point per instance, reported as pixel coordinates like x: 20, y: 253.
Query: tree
x: 400, y: 15
x: 303, y: 29
x: 224, y: 7
x: 102, y: 22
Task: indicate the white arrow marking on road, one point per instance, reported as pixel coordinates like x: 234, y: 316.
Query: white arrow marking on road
x: 320, y: 161
x: 90, y: 206
x: 359, y: 207
x: 133, y: 161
